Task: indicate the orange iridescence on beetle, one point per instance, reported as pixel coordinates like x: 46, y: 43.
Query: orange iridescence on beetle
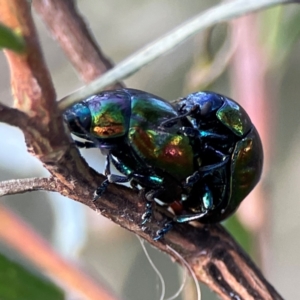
x: 108, y: 131
x: 108, y: 120
x: 173, y: 148
x: 164, y: 150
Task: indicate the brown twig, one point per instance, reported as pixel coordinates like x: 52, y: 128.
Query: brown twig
x: 70, y: 30
x: 13, y: 116
x: 31, y: 82
x: 19, y: 186
x: 34, y: 94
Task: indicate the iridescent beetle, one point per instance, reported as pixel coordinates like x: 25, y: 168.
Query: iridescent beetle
x: 124, y: 124
x: 231, y: 153
x: 201, y: 152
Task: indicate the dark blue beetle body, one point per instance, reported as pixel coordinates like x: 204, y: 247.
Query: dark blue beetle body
x: 232, y: 155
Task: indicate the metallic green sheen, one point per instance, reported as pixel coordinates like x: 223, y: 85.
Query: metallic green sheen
x: 247, y: 163
x: 110, y: 117
x: 234, y: 117
x: 164, y: 149
x: 147, y: 111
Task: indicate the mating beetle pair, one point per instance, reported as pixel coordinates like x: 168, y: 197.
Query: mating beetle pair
x: 201, y: 152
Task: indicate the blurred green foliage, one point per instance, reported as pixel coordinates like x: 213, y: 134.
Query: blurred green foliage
x: 11, y: 40
x: 18, y: 283
x: 240, y: 233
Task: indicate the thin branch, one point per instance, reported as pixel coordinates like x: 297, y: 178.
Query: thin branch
x: 34, y: 94
x: 32, y: 87
x: 69, y: 29
x: 13, y: 116
x: 19, y: 186
x: 33, y: 90
x: 136, y: 61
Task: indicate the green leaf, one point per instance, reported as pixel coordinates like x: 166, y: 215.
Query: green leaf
x: 11, y: 40
x: 17, y: 283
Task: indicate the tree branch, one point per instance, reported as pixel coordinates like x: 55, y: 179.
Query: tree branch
x: 13, y: 116
x: 34, y: 94
x: 220, y: 13
x: 32, y: 87
x: 69, y: 29
x: 18, y: 186
x: 214, y: 256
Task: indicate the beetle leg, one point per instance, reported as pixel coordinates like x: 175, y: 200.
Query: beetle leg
x: 134, y: 185
x: 107, y: 165
x: 148, y: 213
x: 219, y: 154
x: 161, y: 232
x: 110, y: 178
x: 196, y: 133
x: 149, y: 196
x: 172, y: 120
x: 206, y: 201
x: 212, y: 135
x: 204, y: 171
x: 100, y: 190
x: 207, y: 198
x: 189, y: 218
x: 193, y: 110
